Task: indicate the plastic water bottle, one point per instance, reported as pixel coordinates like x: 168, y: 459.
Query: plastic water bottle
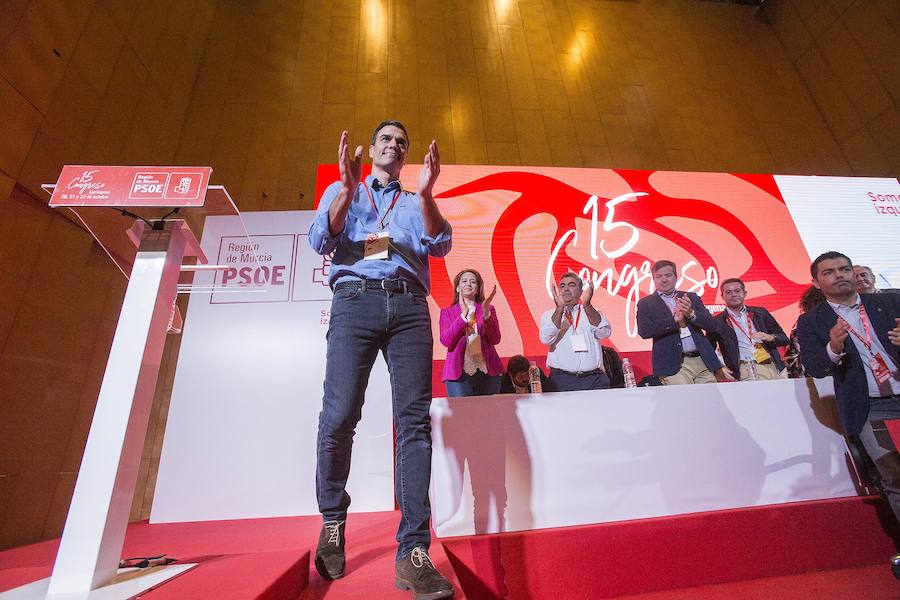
x: 534, y: 379
x: 629, y: 373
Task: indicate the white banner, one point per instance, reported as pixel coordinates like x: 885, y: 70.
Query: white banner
x: 240, y: 438
x: 513, y: 463
x: 858, y: 216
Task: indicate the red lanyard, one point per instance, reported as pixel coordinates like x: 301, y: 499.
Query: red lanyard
x: 738, y: 325
x: 867, y: 329
x: 375, y: 208
x: 577, y: 318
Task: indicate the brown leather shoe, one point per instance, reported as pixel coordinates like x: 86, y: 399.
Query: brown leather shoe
x: 330, y: 550
x: 416, y: 572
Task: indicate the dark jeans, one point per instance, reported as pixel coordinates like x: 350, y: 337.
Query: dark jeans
x: 569, y: 382
x: 479, y: 384
x: 362, y: 324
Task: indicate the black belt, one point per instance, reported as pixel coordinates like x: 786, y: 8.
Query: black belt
x: 691, y: 354
x: 389, y: 285
x: 579, y: 373
x: 768, y: 361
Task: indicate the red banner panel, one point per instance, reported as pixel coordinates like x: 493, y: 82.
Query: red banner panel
x: 80, y: 185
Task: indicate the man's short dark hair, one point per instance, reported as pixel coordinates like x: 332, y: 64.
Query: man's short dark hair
x: 831, y: 254
x: 384, y: 124
x: 517, y: 364
x: 733, y: 280
x: 661, y: 264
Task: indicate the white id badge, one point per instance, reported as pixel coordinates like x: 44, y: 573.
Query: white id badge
x: 579, y: 344
x: 377, y: 246
x: 685, y: 332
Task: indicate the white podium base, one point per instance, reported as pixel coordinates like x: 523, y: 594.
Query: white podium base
x: 127, y: 584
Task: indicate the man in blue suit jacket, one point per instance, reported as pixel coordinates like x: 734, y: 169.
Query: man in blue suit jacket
x: 748, y: 336
x: 856, y: 339
x: 675, y: 322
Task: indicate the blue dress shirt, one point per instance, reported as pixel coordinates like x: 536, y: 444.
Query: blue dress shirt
x: 410, y: 245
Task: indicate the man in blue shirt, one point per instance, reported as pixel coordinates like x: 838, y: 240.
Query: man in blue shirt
x: 381, y: 236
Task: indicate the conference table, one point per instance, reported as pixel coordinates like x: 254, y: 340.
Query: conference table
x: 519, y: 462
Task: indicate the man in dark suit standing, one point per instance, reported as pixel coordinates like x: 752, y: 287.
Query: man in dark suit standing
x: 675, y: 322
x: 856, y: 339
x: 748, y: 336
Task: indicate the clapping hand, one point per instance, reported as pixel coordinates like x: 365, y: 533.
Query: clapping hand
x: 588, y: 292
x: 486, y: 305
x: 559, y: 315
x: 430, y: 170
x: 555, y: 291
x: 350, y: 168
x: 683, y: 303
x: 678, y: 315
x: 838, y: 335
x: 894, y: 334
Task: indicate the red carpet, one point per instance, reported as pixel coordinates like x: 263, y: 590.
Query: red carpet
x: 811, y: 550
x: 254, y: 558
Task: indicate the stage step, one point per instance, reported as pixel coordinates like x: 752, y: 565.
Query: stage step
x: 766, y: 548
x: 864, y: 583
x: 651, y: 555
x: 257, y: 576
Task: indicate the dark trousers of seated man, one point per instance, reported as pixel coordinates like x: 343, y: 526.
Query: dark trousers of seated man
x: 564, y: 381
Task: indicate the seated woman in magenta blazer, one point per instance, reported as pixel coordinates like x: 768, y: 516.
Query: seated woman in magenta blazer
x: 469, y: 330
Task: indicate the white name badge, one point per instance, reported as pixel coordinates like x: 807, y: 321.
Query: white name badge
x: 377, y: 245
x: 579, y: 344
x: 685, y: 332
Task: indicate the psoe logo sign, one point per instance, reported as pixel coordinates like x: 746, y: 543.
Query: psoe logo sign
x: 148, y: 186
x: 260, y: 266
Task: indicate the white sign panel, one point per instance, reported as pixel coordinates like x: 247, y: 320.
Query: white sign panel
x: 513, y: 463
x: 240, y: 438
x: 859, y: 216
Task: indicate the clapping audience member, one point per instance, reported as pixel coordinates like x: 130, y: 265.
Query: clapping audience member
x: 470, y: 331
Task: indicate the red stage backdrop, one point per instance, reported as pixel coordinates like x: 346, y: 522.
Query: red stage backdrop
x: 523, y: 227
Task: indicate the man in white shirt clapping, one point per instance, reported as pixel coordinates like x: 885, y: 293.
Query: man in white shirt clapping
x: 571, y: 332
